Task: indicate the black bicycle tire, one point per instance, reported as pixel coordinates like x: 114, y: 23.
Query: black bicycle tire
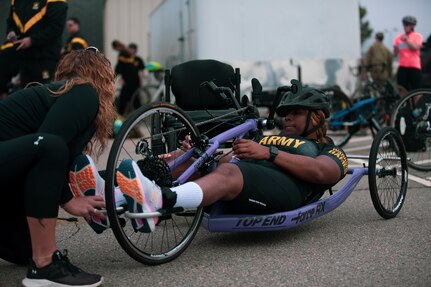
x: 393, y: 118
x: 344, y: 99
x: 380, y: 197
x: 131, y: 105
x: 148, y: 258
x: 380, y: 117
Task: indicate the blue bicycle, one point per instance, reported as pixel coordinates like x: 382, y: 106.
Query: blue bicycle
x: 373, y: 110
x: 158, y: 128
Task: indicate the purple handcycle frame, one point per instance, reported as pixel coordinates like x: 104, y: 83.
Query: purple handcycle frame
x: 217, y: 220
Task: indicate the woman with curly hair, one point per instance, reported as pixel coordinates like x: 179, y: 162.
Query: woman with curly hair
x: 42, y: 129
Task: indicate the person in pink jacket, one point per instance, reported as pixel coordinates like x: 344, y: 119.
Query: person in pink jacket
x: 407, y: 48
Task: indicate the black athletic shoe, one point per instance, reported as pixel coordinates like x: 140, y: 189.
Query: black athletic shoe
x: 60, y: 273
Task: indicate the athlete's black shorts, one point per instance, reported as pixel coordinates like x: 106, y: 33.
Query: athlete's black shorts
x: 267, y: 189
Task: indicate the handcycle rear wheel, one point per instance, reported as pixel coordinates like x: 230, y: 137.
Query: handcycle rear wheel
x: 150, y: 131
x: 387, y: 172
x: 406, y: 117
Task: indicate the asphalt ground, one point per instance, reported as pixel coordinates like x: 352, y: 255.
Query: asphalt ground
x: 351, y: 246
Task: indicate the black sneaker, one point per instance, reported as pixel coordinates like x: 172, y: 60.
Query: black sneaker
x: 60, y: 273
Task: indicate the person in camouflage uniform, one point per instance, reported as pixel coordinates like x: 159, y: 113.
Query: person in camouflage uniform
x: 379, y: 59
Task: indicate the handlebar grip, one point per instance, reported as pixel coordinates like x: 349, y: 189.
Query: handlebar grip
x: 217, y: 90
x: 210, y: 85
x: 256, y: 86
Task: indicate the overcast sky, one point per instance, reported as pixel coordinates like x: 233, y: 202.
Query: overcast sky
x: 386, y: 15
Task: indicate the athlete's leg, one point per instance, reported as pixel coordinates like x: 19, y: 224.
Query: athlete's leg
x: 144, y: 196
x: 224, y: 183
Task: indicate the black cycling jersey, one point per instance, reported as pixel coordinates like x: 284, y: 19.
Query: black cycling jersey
x: 267, y: 188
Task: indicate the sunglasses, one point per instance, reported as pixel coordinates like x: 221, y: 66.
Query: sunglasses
x: 92, y: 48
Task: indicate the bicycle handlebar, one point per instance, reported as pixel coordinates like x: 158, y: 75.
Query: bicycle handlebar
x: 221, y: 92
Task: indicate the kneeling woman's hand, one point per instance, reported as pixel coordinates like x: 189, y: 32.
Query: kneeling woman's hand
x: 85, y: 206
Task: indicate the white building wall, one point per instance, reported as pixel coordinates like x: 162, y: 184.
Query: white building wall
x: 127, y: 21
x: 277, y: 29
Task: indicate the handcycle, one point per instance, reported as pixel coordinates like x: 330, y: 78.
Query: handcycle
x: 412, y: 118
x: 156, y: 128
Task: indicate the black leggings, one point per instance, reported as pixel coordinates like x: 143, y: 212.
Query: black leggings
x: 40, y: 162
x: 409, y: 78
x: 32, y: 175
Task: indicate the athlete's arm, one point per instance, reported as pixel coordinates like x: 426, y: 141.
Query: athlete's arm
x: 320, y: 170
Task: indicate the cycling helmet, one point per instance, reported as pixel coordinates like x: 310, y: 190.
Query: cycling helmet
x: 303, y: 97
x: 153, y: 66
x: 409, y: 20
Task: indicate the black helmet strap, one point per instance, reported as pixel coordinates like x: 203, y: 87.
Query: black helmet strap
x: 307, y: 132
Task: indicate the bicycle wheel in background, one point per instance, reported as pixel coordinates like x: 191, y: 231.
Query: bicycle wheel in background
x: 139, y: 98
x: 412, y: 118
x: 148, y: 132
x: 338, y: 128
x: 387, y: 172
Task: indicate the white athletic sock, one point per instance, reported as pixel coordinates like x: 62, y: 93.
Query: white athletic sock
x: 189, y: 195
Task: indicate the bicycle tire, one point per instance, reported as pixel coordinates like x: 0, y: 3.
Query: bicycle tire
x: 338, y: 102
x: 175, y: 231
x: 139, y: 98
x: 387, y: 172
x: 381, y: 116
x: 418, y: 158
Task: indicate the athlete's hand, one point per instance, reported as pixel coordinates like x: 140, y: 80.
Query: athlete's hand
x: 186, y: 143
x: 243, y: 148
x: 85, y: 206
x: 24, y: 43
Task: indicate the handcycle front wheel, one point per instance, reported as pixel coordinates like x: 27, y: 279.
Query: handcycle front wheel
x: 152, y: 130
x: 387, y: 172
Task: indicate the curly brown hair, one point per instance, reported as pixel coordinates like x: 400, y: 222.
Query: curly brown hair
x: 91, y: 67
x: 316, y: 117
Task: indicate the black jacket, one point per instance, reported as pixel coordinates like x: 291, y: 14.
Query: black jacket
x: 75, y: 42
x: 43, y: 21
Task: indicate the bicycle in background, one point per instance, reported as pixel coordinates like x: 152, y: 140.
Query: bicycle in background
x: 153, y: 88
x: 373, y: 110
x: 412, y: 118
